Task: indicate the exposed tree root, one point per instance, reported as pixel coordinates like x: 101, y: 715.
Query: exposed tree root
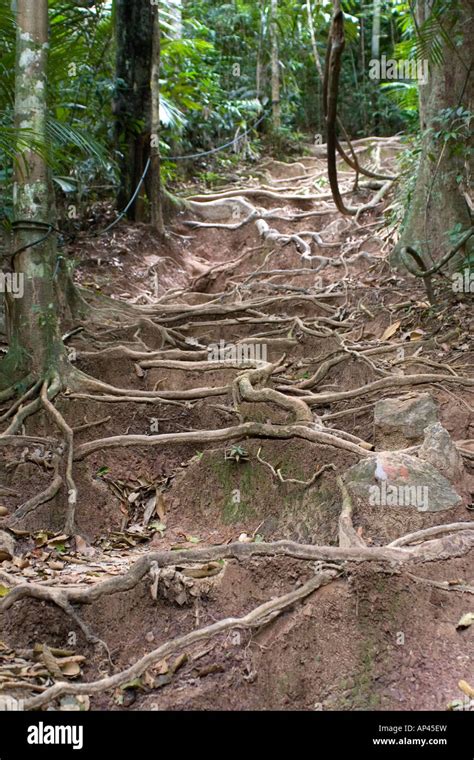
x: 456, y: 544
x: 192, y: 312
x: 403, y: 381
x: 273, y: 236
x: 23, y: 412
x: 351, y: 547
x: 460, y: 540
x: 29, y: 393
x: 69, y: 437
x: 244, y: 390
x: 462, y: 588
x: 20, y: 416
x: 259, y: 616
x: 28, y: 440
x: 306, y: 483
x: 347, y: 535
x: 40, y: 498
x: 223, y: 209
x: 259, y: 193
x: 420, y: 535
x: 239, y: 432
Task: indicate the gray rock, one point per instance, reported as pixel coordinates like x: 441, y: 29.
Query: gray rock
x: 7, y: 546
x: 401, y: 422
x: 439, y: 450
x: 394, y: 480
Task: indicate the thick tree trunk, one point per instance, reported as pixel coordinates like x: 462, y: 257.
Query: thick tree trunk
x: 35, y: 344
x: 155, y: 178
x: 276, y: 106
x: 438, y: 205
x: 134, y: 33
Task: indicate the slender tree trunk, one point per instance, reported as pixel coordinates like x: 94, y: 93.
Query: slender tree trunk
x: 155, y: 179
x: 35, y: 344
x: 134, y: 33
x: 258, y: 73
x: 375, y: 54
x: 276, y: 105
x: 317, y: 59
x: 362, y: 58
x: 438, y: 204
x: 375, y: 49
x: 316, y: 56
x: 260, y: 66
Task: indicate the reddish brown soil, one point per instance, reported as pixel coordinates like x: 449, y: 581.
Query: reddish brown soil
x: 372, y: 640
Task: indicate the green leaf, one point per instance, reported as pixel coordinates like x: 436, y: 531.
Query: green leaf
x: 66, y: 185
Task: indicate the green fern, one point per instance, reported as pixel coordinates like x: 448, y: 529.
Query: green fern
x: 429, y: 40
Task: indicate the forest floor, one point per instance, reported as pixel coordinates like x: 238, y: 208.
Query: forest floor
x: 333, y: 319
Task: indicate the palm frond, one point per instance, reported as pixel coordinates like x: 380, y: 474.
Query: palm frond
x: 405, y: 94
x: 170, y: 115
x: 67, y: 136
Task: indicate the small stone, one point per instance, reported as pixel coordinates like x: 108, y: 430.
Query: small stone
x: 181, y: 598
x: 401, y: 422
x: 7, y: 546
x: 21, y: 562
x: 69, y: 704
x: 3, y: 511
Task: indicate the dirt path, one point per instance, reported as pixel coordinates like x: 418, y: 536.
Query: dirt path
x: 231, y: 399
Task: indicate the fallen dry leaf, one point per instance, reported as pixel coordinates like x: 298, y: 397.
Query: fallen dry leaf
x: 466, y: 621
x: 161, y: 507
x: 464, y: 686
x: 71, y: 669
x: 391, y: 330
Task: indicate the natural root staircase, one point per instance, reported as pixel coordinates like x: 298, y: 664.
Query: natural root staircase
x: 172, y: 320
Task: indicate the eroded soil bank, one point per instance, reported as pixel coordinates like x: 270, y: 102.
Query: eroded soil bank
x: 315, y: 323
